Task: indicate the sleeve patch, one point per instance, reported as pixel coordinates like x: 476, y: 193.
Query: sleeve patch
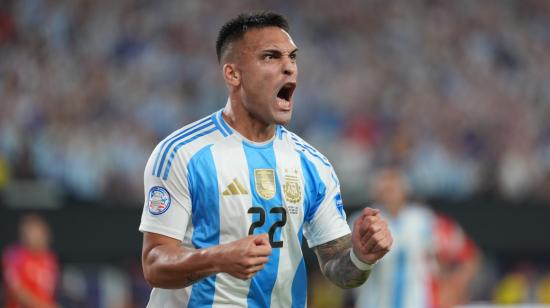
x: 159, y: 200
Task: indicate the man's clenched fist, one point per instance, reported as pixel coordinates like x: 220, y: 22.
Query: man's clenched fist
x: 245, y: 257
x: 371, y: 238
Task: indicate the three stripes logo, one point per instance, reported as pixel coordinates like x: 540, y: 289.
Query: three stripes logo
x: 235, y: 188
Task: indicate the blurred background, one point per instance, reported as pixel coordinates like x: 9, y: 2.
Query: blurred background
x: 455, y: 94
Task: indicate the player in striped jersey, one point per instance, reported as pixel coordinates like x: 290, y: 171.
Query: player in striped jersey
x: 433, y: 261
x: 229, y: 197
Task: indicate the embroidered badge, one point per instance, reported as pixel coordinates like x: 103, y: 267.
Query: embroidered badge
x: 159, y: 200
x: 292, y: 187
x: 265, y: 183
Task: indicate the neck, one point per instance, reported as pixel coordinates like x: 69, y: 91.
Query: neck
x: 245, y: 123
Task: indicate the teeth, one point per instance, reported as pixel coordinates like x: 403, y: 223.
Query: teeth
x: 283, y: 103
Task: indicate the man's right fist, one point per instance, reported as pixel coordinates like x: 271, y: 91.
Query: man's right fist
x: 245, y: 257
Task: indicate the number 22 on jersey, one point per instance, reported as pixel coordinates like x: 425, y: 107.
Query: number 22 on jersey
x: 261, y: 221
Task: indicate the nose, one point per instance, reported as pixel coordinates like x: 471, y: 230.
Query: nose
x: 289, y: 66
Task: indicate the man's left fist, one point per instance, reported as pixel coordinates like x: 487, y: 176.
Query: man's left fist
x: 371, y: 239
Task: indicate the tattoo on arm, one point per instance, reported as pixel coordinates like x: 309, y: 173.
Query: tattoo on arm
x: 336, y: 263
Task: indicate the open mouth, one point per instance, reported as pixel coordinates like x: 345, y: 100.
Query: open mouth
x: 285, y: 94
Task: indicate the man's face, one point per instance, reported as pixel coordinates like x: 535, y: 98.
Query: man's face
x: 34, y: 233
x: 390, y: 189
x: 267, y: 65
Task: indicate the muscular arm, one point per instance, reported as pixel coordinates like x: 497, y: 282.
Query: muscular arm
x: 336, y: 265
x: 370, y: 240
x: 166, y: 264
x: 455, y: 280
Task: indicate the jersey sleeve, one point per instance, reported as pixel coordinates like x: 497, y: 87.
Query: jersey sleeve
x: 325, y: 218
x: 453, y: 245
x: 167, y: 206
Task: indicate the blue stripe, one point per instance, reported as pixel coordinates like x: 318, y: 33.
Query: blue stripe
x: 203, y: 187
x: 299, y: 284
x: 224, y: 125
x: 399, y: 280
x: 179, y: 145
x: 283, y: 131
x: 321, y: 159
x: 339, y: 205
x: 175, y: 136
x: 180, y: 136
x: 303, y: 143
x: 279, y: 131
x: 399, y: 274
x: 261, y: 285
x: 218, y: 125
x: 314, y: 188
x: 311, y: 151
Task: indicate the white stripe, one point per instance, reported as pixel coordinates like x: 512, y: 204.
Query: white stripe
x: 417, y: 266
x: 386, y: 294
x: 291, y: 252
x: 234, y: 220
x: 221, y: 122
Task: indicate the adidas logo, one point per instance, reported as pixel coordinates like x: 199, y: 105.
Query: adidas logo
x: 235, y: 188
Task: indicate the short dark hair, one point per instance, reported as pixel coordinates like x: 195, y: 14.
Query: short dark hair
x: 235, y: 28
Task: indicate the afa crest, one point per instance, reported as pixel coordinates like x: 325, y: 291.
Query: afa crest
x: 265, y: 183
x: 292, y: 187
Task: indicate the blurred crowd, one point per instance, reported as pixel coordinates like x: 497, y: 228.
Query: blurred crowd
x: 31, y: 274
x: 454, y: 92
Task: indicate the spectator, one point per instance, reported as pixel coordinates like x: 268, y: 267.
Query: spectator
x: 82, y: 82
x: 30, y: 267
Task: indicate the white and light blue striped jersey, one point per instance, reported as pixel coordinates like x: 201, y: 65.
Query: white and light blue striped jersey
x: 402, y: 279
x: 207, y: 185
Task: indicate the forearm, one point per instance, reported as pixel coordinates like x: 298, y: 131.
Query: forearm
x: 336, y: 265
x: 169, y: 265
x: 462, y: 276
x: 342, y: 272
x: 178, y: 267
x: 459, y: 279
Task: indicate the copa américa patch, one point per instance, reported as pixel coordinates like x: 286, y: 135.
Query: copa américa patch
x: 159, y: 200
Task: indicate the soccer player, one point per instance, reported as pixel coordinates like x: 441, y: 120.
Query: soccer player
x: 30, y: 267
x: 432, y: 262
x: 229, y: 197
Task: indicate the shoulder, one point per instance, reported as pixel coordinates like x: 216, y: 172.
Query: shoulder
x: 12, y: 254
x: 419, y: 211
x: 419, y: 219
x: 183, y: 143
x: 9, y: 251
x: 193, y: 133
x: 306, y: 150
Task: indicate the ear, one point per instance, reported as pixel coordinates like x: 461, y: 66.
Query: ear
x: 231, y: 74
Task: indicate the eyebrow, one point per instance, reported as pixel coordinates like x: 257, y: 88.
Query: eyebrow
x: 276, y: 51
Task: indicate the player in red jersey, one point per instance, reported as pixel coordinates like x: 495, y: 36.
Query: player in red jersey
x: 457, y: 259
x: 30, y: 267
